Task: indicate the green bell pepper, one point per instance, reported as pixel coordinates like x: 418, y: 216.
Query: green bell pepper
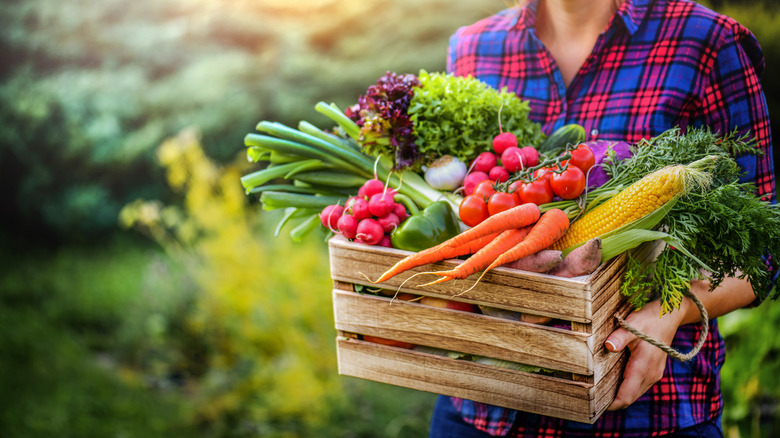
x: 424, y: 229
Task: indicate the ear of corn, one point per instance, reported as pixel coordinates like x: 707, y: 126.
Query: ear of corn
x: 635, y: 201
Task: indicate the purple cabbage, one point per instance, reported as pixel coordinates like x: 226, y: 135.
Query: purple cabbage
x: 598, y: 176
x: 382, y: 116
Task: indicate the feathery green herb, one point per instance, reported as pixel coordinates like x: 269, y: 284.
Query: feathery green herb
x: 725, y: 225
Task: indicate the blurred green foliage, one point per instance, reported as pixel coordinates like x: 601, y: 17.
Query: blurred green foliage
x: 268, y: 342
x: 751, y: 375
x: 88, y: 89
x: 68, y: 348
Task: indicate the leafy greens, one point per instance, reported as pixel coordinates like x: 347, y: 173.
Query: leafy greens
x: 459, y: 116
x: 726, y: 225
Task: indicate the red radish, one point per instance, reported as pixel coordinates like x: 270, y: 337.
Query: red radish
x: 530, y: 156
x: 471, y: 180
x: 358, y: 207
x: 386, y: 241
x: 484, y: 162
x: 389, y: 222
x: 347, y: 226
x: 498, y: 173
x: 369, y: 232
x: 400, y: 211
x: 330, y: 216
x: 512, y: 159
x: 504, y: 141
x: 370, y: 188
x: 381, y: 204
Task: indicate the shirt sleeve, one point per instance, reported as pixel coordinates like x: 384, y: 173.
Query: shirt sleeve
x: 451, y: 51
x: 733, y: 100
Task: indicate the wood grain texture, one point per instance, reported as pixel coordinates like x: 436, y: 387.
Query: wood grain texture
x: 464, y: 332
x: 588, y: 303
x: 497, y: 386
x: 540, y: 294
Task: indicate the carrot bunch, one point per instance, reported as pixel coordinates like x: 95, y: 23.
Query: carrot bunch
x: 500, y: 239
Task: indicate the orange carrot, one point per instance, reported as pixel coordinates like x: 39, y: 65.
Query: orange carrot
x: 550, y: 227
x: 513, y: 218
x: 504, y: 242
x: 436, y: 254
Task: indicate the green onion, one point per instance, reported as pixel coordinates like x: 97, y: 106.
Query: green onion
x: 273, y: 200
x: 277, y: 171
x: 305, y: 228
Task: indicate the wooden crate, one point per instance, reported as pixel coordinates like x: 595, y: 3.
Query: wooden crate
x: 586, y: 374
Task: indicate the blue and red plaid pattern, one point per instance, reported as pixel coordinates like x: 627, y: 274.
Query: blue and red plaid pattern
x: 657, y: 65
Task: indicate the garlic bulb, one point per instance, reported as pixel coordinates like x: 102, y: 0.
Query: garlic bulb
x: 446, y: 173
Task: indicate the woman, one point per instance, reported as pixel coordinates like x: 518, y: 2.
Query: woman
x: 627, y: 70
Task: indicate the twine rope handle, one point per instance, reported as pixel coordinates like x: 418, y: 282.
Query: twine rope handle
x: 682, y: 357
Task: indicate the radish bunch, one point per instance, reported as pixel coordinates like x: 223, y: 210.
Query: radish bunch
x: 506, y: 158
x: 370, y: 217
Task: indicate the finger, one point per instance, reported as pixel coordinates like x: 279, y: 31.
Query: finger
x: 618, y: 340
x: 630, y: 389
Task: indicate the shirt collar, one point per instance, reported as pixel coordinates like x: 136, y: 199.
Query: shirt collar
x: 631, y: 14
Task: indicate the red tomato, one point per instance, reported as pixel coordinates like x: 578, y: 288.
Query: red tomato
x: 582, y: 156
x: 544, y: 173
x: 537, y: 192
x: 473, y: 210
x: 485, y: 189
x: 568, y: 184
x: 501, y: 201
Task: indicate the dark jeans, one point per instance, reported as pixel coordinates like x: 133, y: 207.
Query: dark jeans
x: 447, y: 423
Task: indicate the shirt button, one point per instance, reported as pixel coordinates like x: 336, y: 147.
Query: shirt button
x: 594, y: 133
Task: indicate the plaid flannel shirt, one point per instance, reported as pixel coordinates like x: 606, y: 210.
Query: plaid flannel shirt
x: 657, y: 65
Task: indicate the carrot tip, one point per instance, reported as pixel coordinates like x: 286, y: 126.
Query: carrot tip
x: 440, y: 280
x: 369, y: 280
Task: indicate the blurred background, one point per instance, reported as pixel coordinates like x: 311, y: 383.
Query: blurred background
x: 142, y: 293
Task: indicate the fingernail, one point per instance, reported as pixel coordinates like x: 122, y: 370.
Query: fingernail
x: 610, y: 346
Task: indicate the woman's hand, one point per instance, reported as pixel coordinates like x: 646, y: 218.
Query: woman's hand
x: 646, y: 363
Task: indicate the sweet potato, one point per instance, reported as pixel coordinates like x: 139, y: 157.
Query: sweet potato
x: 535, y: 319
x: 541, y: 262
x: 581, y: 261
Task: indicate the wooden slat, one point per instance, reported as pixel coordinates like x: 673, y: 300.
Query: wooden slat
x: 605, y: 390
x: 585, y: 329
x: 464, y: 332
x: 588, y: 302
x: 600, y: 279
x: 508, y: 388
x: 506, y: 288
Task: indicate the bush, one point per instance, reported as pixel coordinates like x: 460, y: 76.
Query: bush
x: 269, y: 362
